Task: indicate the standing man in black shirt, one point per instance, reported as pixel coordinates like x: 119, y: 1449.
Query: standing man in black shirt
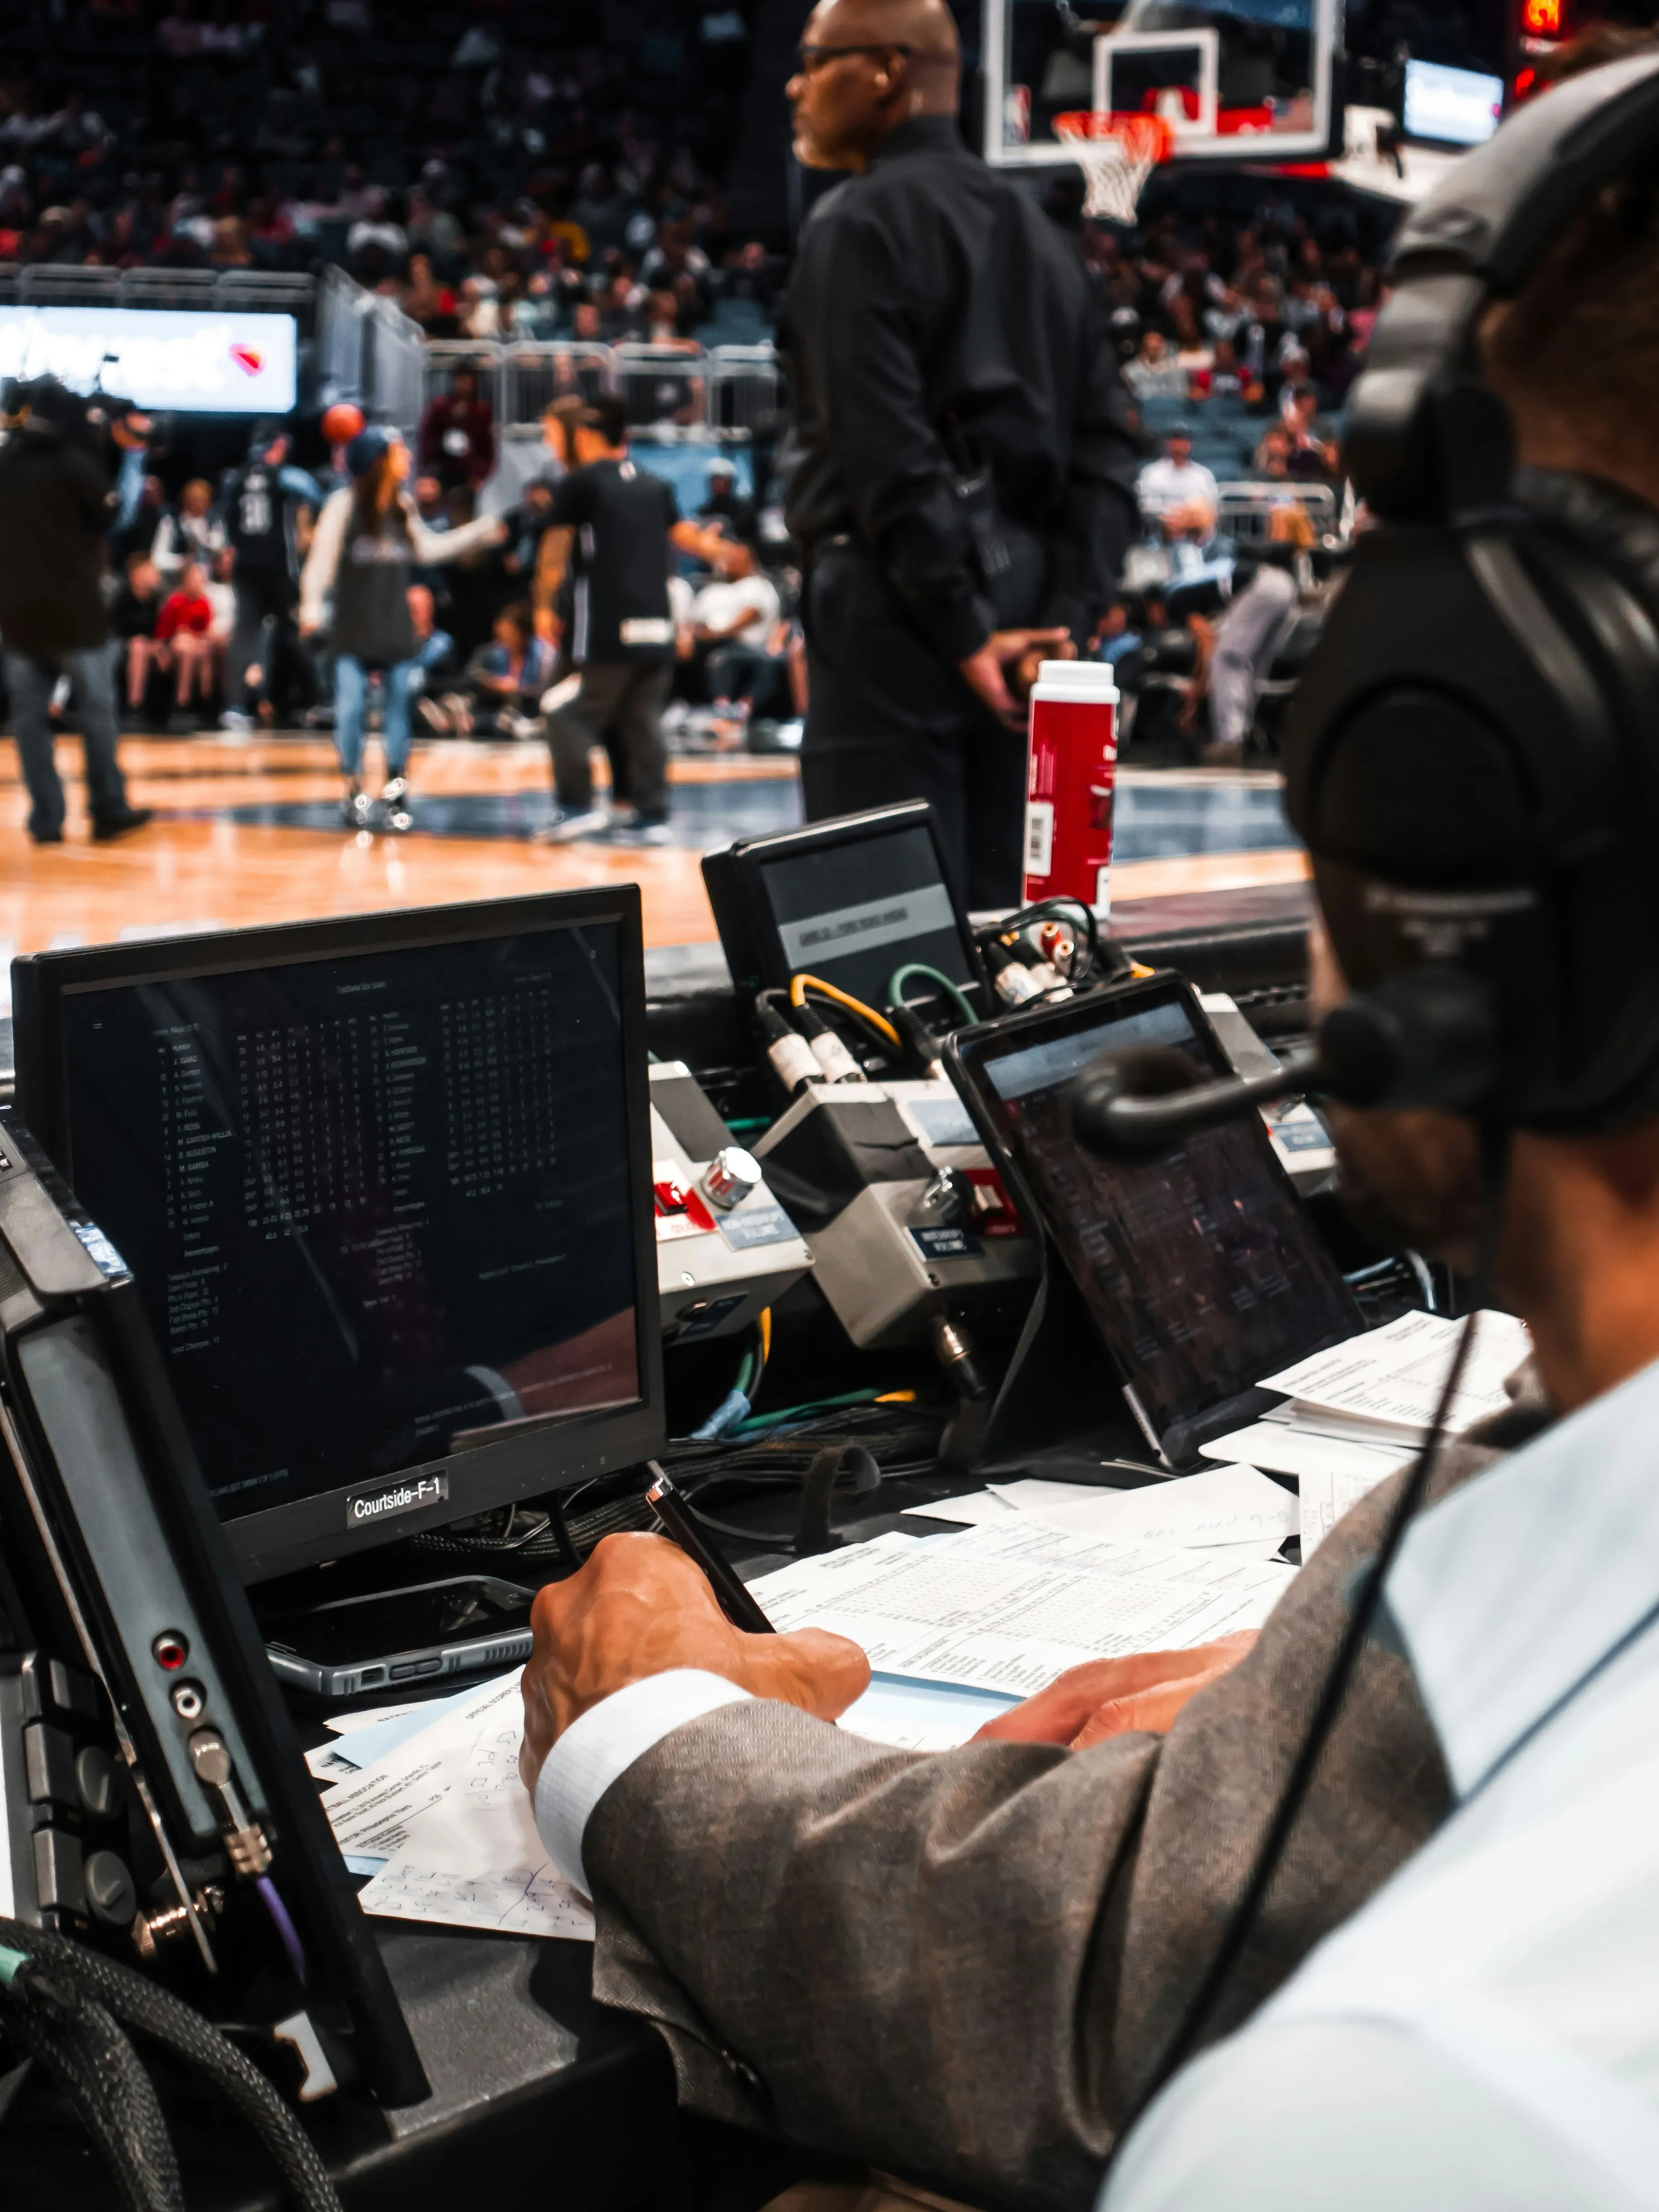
x: 617, y: 523
x: 960, y: 471
x: 56, y: 508
x: 268, y: 508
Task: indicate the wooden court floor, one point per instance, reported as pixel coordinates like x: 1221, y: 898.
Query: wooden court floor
x: 195, y: 867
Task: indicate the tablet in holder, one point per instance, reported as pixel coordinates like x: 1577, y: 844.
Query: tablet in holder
x: 1196, y: 1266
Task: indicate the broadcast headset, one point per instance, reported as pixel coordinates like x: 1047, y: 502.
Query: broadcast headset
x: 1473, y: 753
x: 1473, y: 762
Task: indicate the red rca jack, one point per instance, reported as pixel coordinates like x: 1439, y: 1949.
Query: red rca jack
x: 170, y: 1651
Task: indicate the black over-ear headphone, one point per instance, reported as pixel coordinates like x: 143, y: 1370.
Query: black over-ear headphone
x: 1472, y: 754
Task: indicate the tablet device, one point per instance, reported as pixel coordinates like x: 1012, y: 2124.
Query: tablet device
x: 1197, y: 1263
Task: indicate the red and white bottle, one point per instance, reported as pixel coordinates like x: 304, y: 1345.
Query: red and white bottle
x: 1071, y: 778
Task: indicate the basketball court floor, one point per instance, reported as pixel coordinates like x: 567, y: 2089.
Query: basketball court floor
x: 246, y: 830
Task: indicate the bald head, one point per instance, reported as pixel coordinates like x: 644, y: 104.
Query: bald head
x: 866, y: 67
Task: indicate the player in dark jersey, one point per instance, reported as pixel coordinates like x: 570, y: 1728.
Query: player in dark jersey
x: 268, y: 508
x: 618, y: 522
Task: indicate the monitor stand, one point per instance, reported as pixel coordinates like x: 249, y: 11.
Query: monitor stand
x: 1061, y: 1399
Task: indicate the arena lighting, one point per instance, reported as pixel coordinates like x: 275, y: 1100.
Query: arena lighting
x: 1541, y: 18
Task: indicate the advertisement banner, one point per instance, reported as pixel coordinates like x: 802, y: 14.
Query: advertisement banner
x: 197, y: 363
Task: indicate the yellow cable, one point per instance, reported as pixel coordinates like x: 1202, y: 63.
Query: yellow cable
x: 766, y: 1340
x: 896, y: 1398
x: 799, y: 985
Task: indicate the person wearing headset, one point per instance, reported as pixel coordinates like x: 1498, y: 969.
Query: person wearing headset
x: 974, y: 1969
x: 1480, y: 2034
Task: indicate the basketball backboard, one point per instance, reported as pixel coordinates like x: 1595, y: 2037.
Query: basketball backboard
x: 1235, y: 80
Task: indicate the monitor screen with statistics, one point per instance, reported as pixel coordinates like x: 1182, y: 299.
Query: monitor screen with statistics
x: 1198, y: 1264
x: 1235, y: 80
x: 383, y: 1186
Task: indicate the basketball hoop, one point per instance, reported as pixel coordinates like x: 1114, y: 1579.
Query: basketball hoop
x: 1116, y: 154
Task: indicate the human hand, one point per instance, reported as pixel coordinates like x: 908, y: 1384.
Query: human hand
x: 641, y: 1607
x: 984, y: 671
x: 498, y: 534
x: 1118, y: 1697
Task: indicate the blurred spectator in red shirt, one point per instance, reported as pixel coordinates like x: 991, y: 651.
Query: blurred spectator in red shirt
x: 182, y: 644
x: 457, y: 440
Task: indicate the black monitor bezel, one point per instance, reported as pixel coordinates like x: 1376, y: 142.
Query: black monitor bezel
x: 580, y: 1445
x: 766, y: 964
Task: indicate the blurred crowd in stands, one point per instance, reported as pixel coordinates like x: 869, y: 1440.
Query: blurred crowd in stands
x: 549, y: 172
x: 555, y: 172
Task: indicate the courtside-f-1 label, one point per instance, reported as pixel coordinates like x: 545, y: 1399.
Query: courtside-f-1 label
x: 406, y: 1495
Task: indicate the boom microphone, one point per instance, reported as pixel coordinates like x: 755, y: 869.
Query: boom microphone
x: 1426, y: 1038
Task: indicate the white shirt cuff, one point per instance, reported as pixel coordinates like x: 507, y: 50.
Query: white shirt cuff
x: 604, y: 1743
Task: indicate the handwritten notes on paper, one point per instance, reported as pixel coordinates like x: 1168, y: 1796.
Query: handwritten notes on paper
x: 445, y: 1813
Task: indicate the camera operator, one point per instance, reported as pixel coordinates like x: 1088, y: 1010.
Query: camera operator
x: 56, y: 508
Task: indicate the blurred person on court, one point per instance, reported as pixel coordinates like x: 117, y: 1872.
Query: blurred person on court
x: 960, y: 469
x: 366, y: 542
x: 611, y: 528
x: 269, y: 509
x: 56, y: 508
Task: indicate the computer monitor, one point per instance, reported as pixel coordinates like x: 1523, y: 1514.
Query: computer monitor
x: 848, y: 900
x: 385, y: 1185
x: 1451, y: 107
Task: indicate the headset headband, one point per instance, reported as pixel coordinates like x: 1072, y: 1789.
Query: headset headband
x: 1426, y: 438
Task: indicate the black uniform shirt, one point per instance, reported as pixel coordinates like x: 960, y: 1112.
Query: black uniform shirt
x: 257, y: 521
x: 622, y: 516
x: 929, y: 290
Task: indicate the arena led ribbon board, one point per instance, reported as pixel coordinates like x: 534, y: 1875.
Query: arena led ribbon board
x: 189, y: 363
x: 1232, y: 80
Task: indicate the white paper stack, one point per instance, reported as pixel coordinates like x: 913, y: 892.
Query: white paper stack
x: 1231, y: 1508
x: 1007, y: 1609
x: 1360, y: 1411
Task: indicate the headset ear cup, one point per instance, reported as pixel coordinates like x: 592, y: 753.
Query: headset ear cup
x: 1619, y: 524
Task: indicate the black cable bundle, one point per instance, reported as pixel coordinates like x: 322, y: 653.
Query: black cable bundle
x: 61, y: 2003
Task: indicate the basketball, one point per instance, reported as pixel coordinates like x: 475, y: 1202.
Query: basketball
x: 342, y: 423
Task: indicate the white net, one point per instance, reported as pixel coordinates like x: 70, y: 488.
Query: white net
x: 1116, y: 159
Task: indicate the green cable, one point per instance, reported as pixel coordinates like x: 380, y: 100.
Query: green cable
x: 794, y: 1412
x: 900, y: 976
x: 754, y: 1121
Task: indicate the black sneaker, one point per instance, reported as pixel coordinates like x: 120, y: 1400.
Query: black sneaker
x: 46, y: 836
x: 107, y: 827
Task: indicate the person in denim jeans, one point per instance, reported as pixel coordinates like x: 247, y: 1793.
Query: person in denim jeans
x: 368, y: 542
x: 55, y: 509
x: 31, y: 678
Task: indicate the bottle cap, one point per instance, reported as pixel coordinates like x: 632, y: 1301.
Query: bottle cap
x: 1090, y: 679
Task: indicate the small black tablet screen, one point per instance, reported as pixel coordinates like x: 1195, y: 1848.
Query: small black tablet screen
x: 1198, y: 1263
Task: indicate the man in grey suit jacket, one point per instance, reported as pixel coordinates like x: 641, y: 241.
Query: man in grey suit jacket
x: 961, y: 1968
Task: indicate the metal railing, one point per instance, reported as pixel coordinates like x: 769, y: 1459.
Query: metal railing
x: 746, y: 390
x: 730, y: 389
x: 536, y: 375
x: 243, y: 291
x: 1244, y: 511
x: 662, y: 383
x: 394, y: 378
